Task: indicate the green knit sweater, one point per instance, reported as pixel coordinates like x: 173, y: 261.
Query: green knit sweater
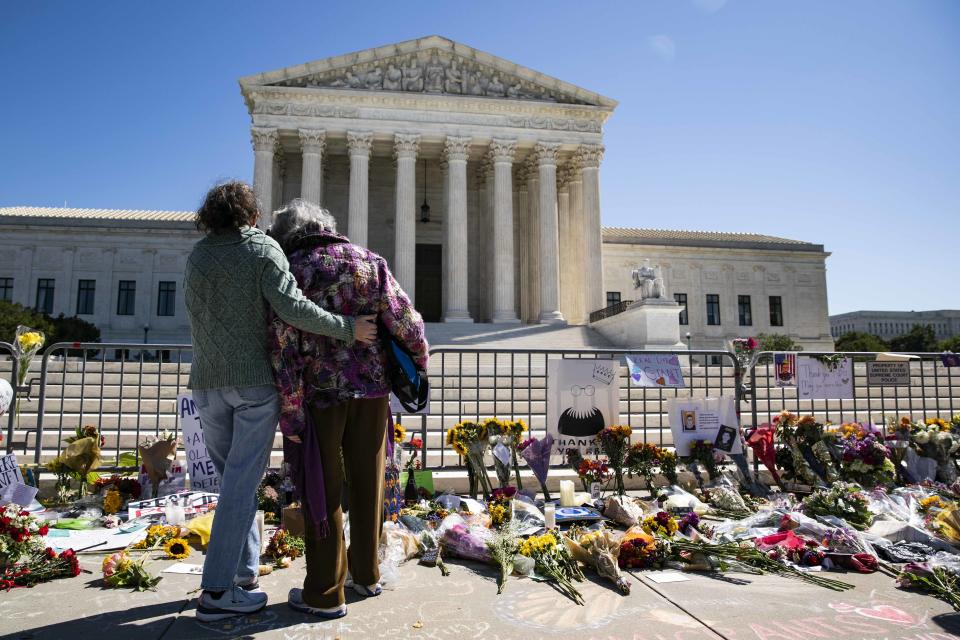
x: 232, y: 280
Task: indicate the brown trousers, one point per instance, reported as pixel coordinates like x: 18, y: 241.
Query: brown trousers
x: 358, y: 427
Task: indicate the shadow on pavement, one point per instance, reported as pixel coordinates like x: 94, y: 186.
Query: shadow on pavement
x: 150, y: 621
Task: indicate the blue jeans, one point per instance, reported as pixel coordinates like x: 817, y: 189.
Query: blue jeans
x: 239, y: 424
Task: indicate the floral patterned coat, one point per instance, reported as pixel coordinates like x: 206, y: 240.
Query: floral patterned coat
x: 320, y: 371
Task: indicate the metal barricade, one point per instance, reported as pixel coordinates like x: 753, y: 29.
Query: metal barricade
x: 7, y: 348
x: 476, y: 383
x: 933, y: 391
x: 126, y: 399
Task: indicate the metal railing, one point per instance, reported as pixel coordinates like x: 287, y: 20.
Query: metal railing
x: 933, y: 391
x: 143, y: 392
x: 6, y: 347
x: 129, y: 399
x: 612, y: 310
x: 477, y: 383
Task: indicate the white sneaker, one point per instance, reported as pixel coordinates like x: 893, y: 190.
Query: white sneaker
x: 363, y: 590
x: 232, y: 602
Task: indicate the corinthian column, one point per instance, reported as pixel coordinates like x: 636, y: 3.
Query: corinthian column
x: 358, y: 144
x: 564, y: 237
x: 576, y: 257
x: 455, y: 280
x: 522, y: 260
x: 532, y: 284
x: 549, y: 240
x: 504, y: 307
x: 264, y: 145
x: 312, y: 144
x: 589, y: 156
x: 405, y: 151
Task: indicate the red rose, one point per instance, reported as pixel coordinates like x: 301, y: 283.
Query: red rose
x: 44, y: 530
x: 69, y: 553
x: 50, y: 553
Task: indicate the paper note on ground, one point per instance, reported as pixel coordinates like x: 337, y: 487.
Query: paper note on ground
x: 183, y: 567
x: 663, y: 577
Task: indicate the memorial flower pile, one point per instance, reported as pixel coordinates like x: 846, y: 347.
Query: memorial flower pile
x: 157, y: 536
x: 39, y: 566
x: 614, y: 442
x: 866, y: 460
x: 600, y: 550
x: 591, y: 471
x: 661, y: 525
x: 469, y: 439
x: 939, y: 440
x: 21, y: 535
x: 638, y: 550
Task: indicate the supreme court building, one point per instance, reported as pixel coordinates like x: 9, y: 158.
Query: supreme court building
x: 476, y: 178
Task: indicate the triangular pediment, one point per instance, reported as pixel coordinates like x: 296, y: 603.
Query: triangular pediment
x: 432, y: 65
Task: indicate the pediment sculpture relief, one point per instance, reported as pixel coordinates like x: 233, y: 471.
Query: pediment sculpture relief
x: 435, y: 72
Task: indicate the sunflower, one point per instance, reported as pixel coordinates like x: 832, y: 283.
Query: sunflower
x: 177, y: 548
x: 112, y: 501
x: 399, y: 433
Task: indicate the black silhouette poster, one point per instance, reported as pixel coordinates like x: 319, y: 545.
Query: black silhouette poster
x: 583, y: 397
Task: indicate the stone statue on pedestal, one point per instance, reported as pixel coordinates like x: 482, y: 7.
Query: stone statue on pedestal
x: 393, y: 79
x: 649, y: 282
x: 434, y: 74
x: 413, y: 76
x: 454, y: 79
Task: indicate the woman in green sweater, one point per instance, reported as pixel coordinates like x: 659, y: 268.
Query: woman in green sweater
x: 234, y: 276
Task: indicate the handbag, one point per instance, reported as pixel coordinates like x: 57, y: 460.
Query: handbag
x: 409, y: 384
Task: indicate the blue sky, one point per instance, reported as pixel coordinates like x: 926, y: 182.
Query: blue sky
x: 833, y: 122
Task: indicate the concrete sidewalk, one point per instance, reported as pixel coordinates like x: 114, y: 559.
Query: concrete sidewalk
x: 466, y: 605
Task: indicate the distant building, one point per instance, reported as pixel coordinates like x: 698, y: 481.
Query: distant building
x: 731, y: 284
x: 890, y: 324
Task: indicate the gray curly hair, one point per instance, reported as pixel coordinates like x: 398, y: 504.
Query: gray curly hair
x: 298, y: 217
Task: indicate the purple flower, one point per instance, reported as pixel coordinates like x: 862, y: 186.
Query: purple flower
x: 537, y: 456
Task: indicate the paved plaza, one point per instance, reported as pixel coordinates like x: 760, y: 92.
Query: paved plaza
x: 465, y: 604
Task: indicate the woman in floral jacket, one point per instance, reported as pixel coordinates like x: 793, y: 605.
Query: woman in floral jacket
x: 335, y: 396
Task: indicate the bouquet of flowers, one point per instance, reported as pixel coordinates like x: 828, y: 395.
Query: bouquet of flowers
x: 601, y: 550
x: 158, y: 536
x: 937, y: 580
x: 116, y: 492
x: 866, y: 461
x: 691, y: 526
x: 284, y: 547
x: 614, y: 442
x: 591, y: 471
x: 157, y: 454
x: 745, y: 352
x: 469, y: 439
x: 701, y: 452
x: 537, y: 455
x: 508, y: 433
x: 935, y: 438
x: 81, y: 455
x: 39, y: 566
x: 668, y: 465
x: 727, y: 502
x: 504, y: 546
x: 639, y: 550
x: 499, y: 506
x: 122, y: 571
x: 20, y: 535
x: 553, y: 561
x: 641, y: 460
x: 810, y: 461
x: 469, y: 543
x: 661, y: 525
x: 842, y: 500
x: 26, y: 343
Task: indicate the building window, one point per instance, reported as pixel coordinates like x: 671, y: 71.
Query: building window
x: 613, y: 297
x: 681, y: 299
x: 126, y: 297
x: 713, y: 309
x: 776, y: 311
x: 86, y: 290
x: 45, y: 295
x: 6, y: 289
x: 167, y: 298
x: 744, y: 311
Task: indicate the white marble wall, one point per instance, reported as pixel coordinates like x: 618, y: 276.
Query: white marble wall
x: 799, y: 278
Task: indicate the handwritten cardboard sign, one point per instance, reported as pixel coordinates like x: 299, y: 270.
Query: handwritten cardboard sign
x: 655, y: 371
x: 12, y: 487
x: 888, y: 374
x: 203, y: 475
x: 819, y: 381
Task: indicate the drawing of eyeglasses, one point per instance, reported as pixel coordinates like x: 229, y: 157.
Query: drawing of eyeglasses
x: 588, y: 390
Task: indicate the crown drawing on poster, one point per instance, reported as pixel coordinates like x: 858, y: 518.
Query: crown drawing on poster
x: 604, y: 373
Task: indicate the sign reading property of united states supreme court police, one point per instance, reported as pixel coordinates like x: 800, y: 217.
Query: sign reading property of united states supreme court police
x: 888, y: 374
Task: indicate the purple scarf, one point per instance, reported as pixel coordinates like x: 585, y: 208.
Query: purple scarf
x: 306, y: 469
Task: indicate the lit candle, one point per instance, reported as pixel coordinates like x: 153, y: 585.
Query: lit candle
x: 566, y: 493
x: 550, y: 515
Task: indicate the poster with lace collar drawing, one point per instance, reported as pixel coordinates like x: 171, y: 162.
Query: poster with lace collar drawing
x: 583, y: 397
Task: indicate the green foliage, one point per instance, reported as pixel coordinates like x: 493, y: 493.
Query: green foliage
x: 860, y: 341
x: 59, y: 329
x: 777, y: 342
x: 919, y: 338
x: 12, y: 315
x: 951, y: 344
